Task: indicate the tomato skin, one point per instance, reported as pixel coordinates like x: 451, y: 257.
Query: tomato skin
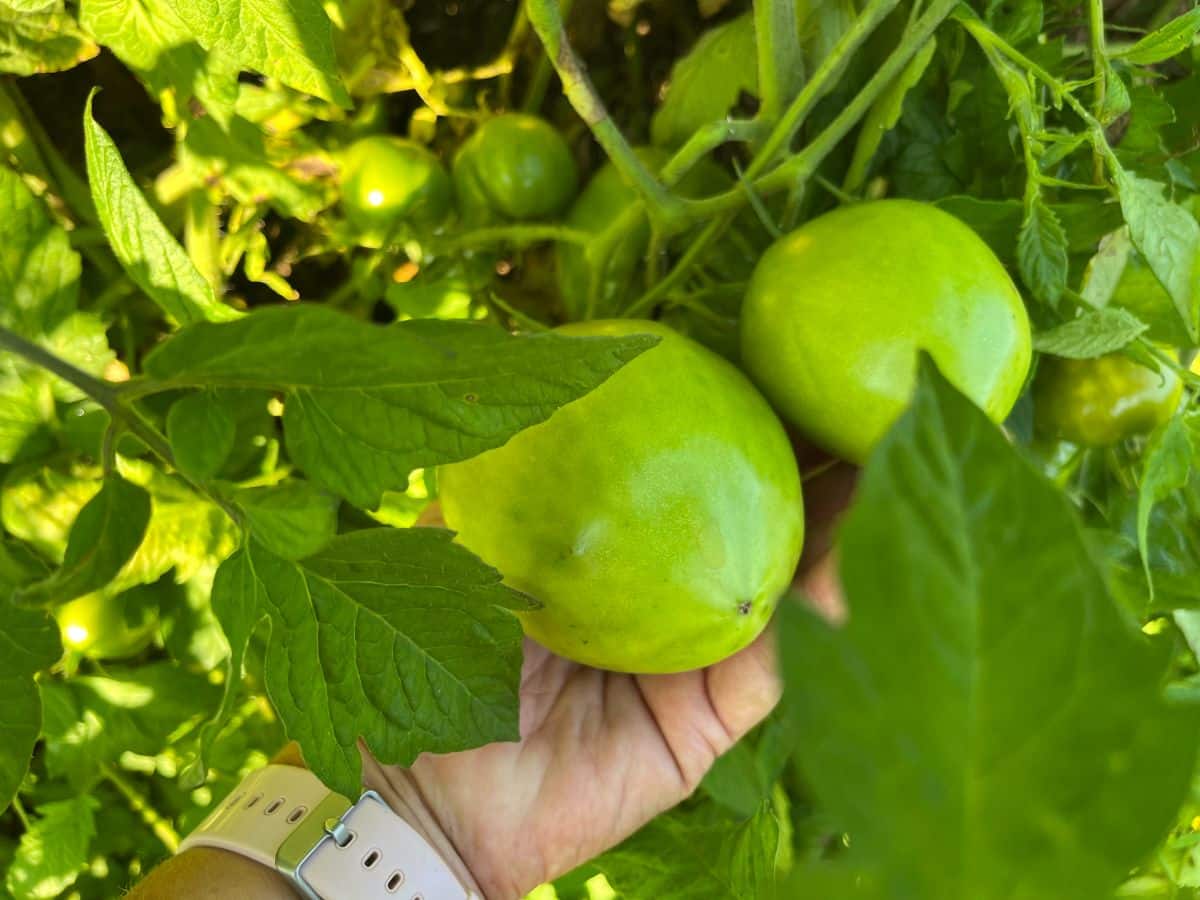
x: 1100, y: 402
x: 836, y: 311
x: 516, y: 167
x: 658, y: 518
x: 387, y: 181
x: 104, y: 627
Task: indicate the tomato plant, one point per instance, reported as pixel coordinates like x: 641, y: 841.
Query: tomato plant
x: 646, y: 301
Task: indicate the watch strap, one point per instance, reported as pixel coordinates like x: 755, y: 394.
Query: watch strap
x: 285, y: 818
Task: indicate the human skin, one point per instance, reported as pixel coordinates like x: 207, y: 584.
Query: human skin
x: 601, y: 754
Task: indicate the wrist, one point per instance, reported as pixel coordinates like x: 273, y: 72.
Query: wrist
x: 401, y: 791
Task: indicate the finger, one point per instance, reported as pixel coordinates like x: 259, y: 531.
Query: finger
x: 822, y: 589
x: 746, y: 687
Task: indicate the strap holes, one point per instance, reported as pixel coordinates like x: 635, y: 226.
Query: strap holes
x: 371, y: 858
x: 234, y: 800
x: 296, y: 814
x: 275, y: 806
x: 394, y: 881
x: 350, y: 839
x: 253, y: 801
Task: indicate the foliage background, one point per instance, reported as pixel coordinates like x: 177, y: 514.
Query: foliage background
x: 990, y: 723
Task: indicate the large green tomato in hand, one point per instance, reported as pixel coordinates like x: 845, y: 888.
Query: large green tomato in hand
x: 658, y: 518
x: 514, y: 166
x: 1100, y: 402
x: 387, y: 181
x: 836, y: 311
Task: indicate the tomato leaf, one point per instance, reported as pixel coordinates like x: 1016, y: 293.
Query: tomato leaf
x: 1042, y: 253
x: 705, y: 83
x: 105, y: 536
x: 29, y: 642
x: 883, y: 116
x: 150, y: 38
x: 186, y: 533
x: 743, y: 778
x: 390, y: 399
x: 39, y: 287
x: 201, y: 431
x: 32, y: 43
x: 987, y: 723
x: 1168, y: 237
x: 291, y: 40
x: 54, y: 850
x: 1165, y: 469
x: 149, y: 254
x: 397, y: 636
x: 294, y: 519
x: 91, y: 720
x: 1167, y: 41
x: 1093, y: 333
x: 698, y: 851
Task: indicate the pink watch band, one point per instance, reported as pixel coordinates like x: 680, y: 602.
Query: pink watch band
x: 285, y: 818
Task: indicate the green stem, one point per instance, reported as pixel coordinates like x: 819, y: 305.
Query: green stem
x: 708, y: 139
x: 115, y: 401
x: 824, y: 78
x: 780, y: 63
x: 202, y: 239
x: 1100, y: 72
x: 160, y: 827
x: 100, y: 391
x: 546, y: 18
x: 526, y: 321
x: 803, y: 164
x: 19, y: 808
x: 518, y: 235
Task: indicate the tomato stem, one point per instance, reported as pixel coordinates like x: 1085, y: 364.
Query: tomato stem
x: 780, y: 62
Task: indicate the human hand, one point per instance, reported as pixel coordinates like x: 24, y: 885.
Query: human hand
x: 602, y: 753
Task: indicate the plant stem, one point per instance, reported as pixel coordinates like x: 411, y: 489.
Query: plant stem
x: 202, y: 238
x: 100, y: 391
x: 708, y: 139
x: 19, y: 808
x: 546, y: 18
x: 160, y: 827
x: 1100, y: 72
x: 800, y: 166
x: 823, y: 79
x: 780, y: 63
x: 513, y: 234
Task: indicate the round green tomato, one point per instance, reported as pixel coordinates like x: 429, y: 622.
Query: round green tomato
x: 658, y: 518
x: 514, y: 166
x: 387, y: 181
x: 105, y: 627
x: 836, y: 311
x: 1099, y: 402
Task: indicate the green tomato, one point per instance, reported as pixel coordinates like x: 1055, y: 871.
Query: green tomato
x: 514, y: 166
x: 387, y: 181
x: 836, y: 311
x: 658, y: 518
x: 1100, y: 402
x: 100, y: 626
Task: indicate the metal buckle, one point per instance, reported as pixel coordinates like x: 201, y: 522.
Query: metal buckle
x: 311, y: 832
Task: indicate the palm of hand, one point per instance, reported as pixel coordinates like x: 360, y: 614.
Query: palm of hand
x: 602, y: 753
